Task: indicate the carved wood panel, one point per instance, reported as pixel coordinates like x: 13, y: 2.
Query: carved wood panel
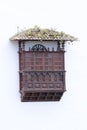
x: 43, y: 80
x: 42, y: 61
x: 41, y: 72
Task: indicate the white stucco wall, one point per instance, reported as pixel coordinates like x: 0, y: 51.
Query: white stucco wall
x: 47, y: 44
x: 71, y: 112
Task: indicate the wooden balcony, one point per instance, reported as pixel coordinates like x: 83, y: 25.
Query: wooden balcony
x: 42, y: 74
x: 41, y: 96
x: 42, y: 85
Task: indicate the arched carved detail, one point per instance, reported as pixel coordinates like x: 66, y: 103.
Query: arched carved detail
x: 39, y: 47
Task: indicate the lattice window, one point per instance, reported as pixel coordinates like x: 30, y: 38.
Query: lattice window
x: 42, y: 71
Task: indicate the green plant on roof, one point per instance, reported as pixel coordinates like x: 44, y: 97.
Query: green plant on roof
x: 42, y: 34
x: 36, y: 28
x: 29, y: 33
x: 43, y: 31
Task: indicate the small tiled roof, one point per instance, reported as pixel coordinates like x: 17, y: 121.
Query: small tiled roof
x: 39, y: 34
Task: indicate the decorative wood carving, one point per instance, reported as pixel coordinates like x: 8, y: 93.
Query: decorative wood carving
x: 55, y: 80
x: 39, y: 47
x: 42, y: 74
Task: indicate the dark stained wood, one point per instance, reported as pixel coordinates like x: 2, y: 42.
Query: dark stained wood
x: 42, y: 73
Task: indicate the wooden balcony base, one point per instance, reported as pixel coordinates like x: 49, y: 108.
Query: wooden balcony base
x: 41, y: 96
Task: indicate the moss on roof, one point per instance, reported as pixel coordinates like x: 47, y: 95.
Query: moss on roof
x: 39, y: 34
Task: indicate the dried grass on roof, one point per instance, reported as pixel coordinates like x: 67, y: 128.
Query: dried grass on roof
x: 37, y: 33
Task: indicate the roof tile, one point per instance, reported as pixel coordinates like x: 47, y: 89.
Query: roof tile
x: 42, y: 34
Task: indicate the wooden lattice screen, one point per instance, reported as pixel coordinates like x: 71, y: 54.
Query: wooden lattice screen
x: 42, y: 73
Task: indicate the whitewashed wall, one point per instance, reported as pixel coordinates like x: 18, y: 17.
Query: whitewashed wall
x: 71, y: 112
x: 47, y: 44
